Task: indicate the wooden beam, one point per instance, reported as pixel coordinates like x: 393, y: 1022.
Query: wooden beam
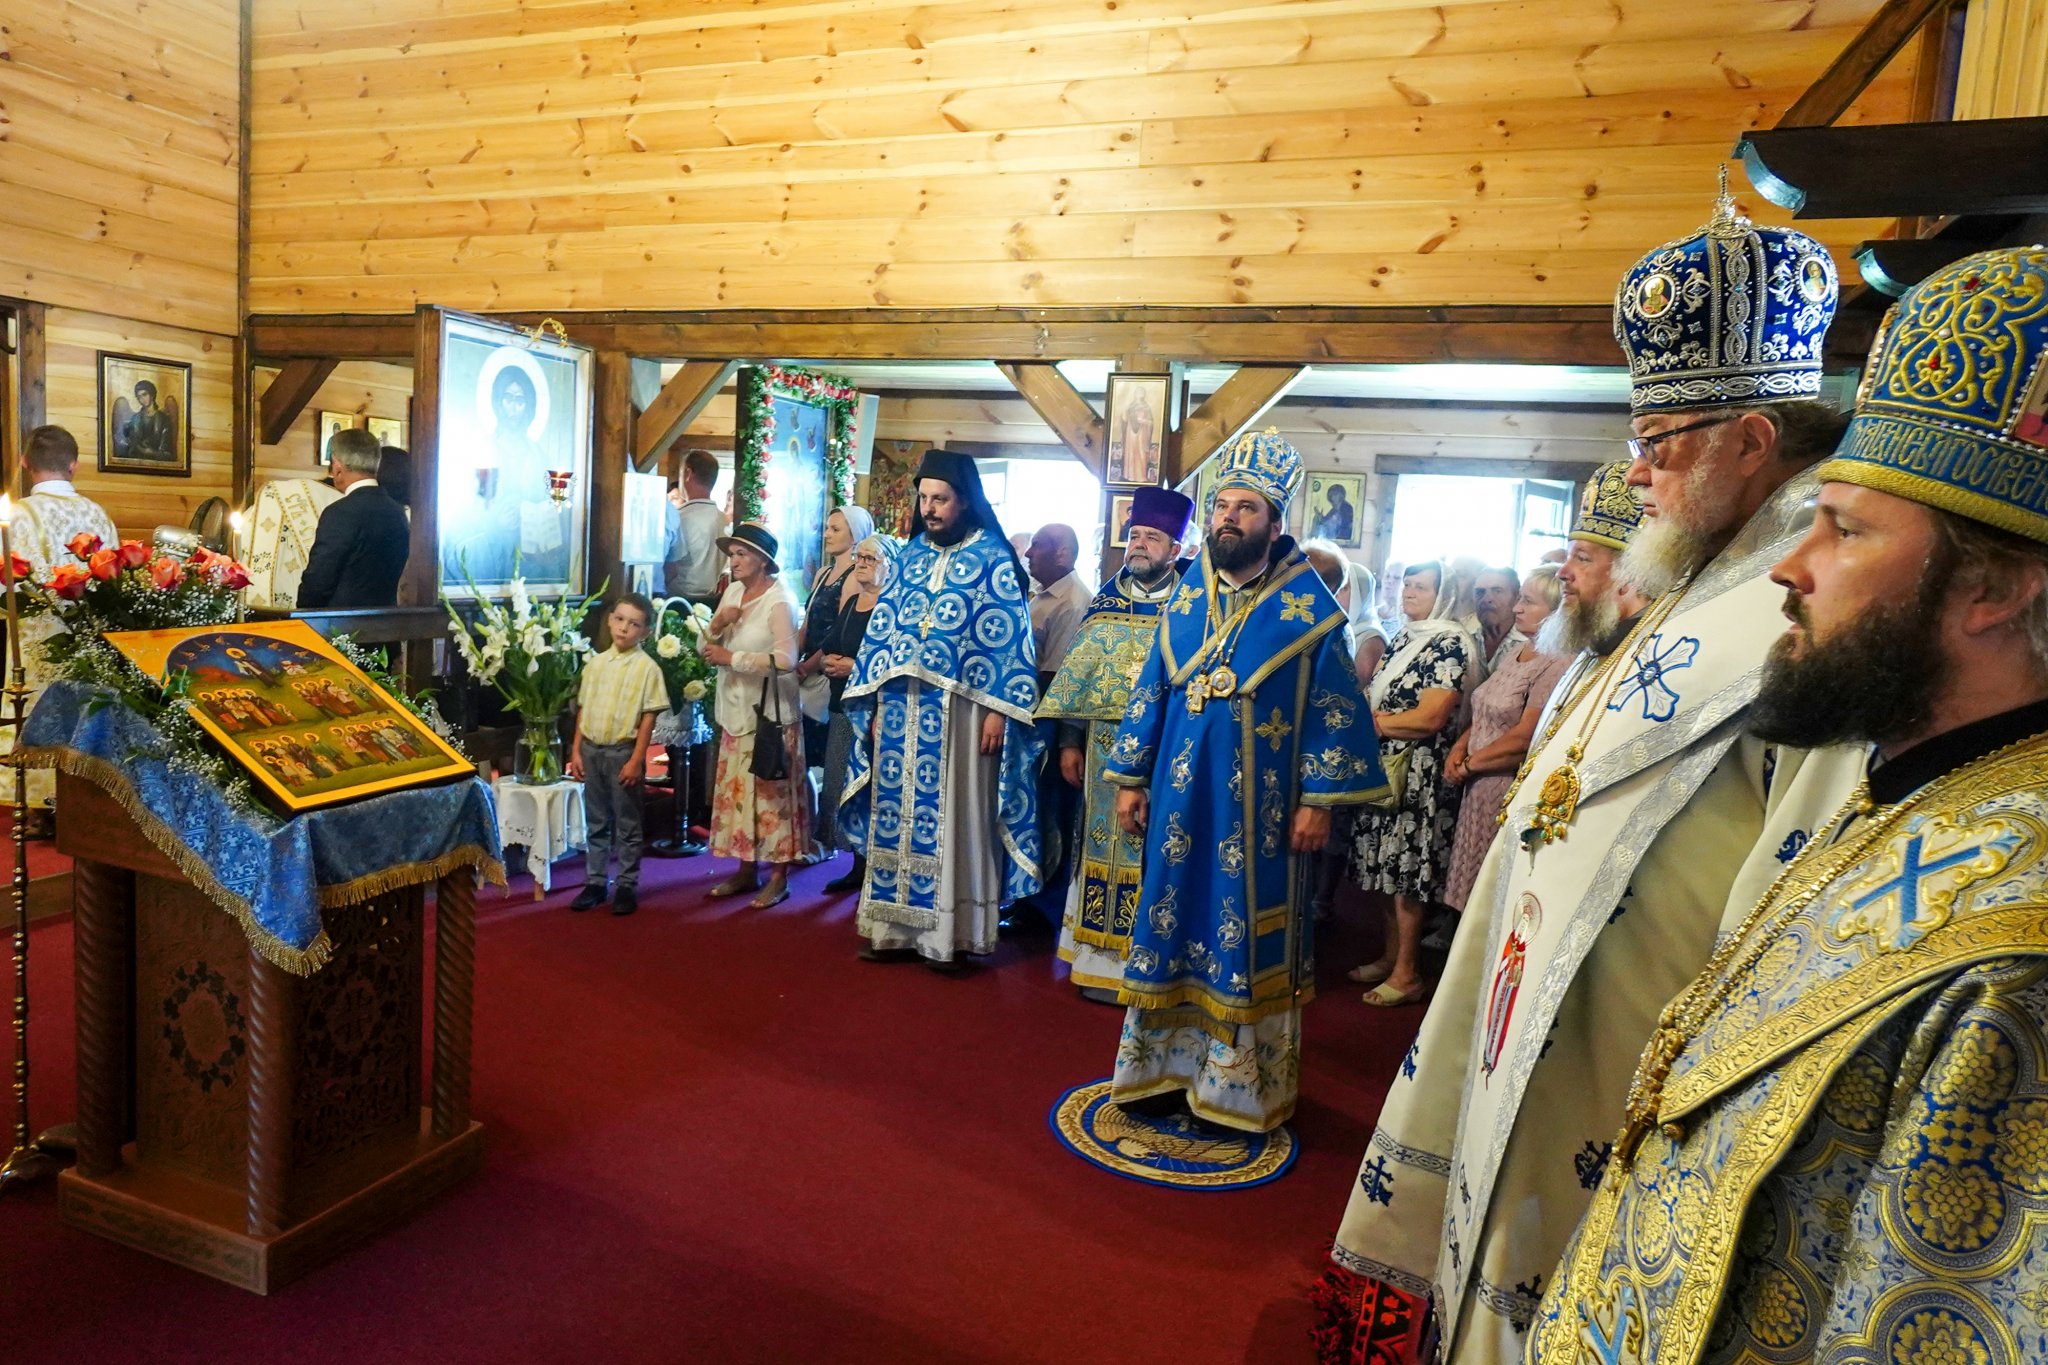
x: 676, y: 406
x: 610, y: 455
x: 32, y: 365
x: 1235, y: 405
x: 287, y: 394
x: 1828, y: 98
x: 421, y: 585
x: 1891, y: 266
x: 1895, y: 170
x: 1061, y: 407
x: 1561, y: 471
x: 1578, y: 335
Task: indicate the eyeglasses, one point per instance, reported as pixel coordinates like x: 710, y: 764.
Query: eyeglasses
x: 867, y: 559
x: 1645, y: 447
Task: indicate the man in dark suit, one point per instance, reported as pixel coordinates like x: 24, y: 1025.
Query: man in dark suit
x: 359, y: 550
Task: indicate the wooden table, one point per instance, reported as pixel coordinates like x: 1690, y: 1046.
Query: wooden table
x: 237, y: 1119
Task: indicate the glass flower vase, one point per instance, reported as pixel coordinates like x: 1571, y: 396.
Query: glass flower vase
x: 537, y: 754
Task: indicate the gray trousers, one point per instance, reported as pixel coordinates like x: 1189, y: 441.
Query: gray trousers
x: 611, y: 811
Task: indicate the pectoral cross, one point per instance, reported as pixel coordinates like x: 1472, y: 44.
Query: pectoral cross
x: 924, y: 627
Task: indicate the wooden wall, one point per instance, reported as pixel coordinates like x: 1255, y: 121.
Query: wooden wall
x: 597, y: 154
x: 120, y: 176
x: 2004, y: 68
x: 139, y: 503
x: 363, y: 388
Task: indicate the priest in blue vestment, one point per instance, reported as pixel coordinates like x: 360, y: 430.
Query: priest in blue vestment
x: 1087, y: 699
x: 942, y: 793
x: 1245, y: 729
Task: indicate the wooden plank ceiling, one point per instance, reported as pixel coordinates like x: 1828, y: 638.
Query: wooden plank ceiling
x: 855, y: 153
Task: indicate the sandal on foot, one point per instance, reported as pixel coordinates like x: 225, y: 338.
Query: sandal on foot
x: 1371, y: 974
x: 733, y: 886
x: 1392, y: 1000
x: 774, y: 896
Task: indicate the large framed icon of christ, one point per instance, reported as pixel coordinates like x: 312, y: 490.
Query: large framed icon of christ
x: 308, y: 726
x: 512, y: 441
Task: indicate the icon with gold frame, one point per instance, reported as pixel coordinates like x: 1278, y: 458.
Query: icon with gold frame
x: 310, y: 728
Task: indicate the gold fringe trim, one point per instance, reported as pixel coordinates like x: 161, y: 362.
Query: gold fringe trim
x: 411, y: 874
x: 298, y: 961
x: 1193, y: 1006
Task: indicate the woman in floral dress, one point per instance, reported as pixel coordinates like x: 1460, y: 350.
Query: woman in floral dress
x: 1402, y: 851
x: 1505, y: 709
x: 754, y: 642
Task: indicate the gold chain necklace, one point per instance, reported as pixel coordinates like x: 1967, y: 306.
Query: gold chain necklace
x: 1683, y: 1019
x: 1557, y: 801
x: 1220, y: 682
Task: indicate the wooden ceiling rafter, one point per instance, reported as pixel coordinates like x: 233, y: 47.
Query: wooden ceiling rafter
x: 1060, y: 406
x: 1239, y: 402
x: 676, y: 406
x: 288, y: 392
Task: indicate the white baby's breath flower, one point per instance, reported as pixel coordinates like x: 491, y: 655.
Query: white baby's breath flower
x: 669, y: 647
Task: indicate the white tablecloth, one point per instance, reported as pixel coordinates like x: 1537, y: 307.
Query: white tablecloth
x: 546, y: 821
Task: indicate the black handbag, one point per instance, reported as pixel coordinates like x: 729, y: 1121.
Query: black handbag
x: 770, y: 759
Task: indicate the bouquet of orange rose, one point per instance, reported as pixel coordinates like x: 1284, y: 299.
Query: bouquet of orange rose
x: 130, y: 587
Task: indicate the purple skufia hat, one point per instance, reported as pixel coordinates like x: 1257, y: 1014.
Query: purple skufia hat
x: 1163, y: 510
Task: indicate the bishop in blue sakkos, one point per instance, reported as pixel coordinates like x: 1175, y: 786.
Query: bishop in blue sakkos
x: 1247, y: 709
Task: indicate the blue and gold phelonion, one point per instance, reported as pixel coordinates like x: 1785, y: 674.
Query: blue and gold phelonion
x: 1953, y: 408
x: 1733, y: 316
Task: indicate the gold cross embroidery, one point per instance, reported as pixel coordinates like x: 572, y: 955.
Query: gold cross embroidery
x: 1185, y: 602
x: 1275, y: 729
x: 1297, y: 606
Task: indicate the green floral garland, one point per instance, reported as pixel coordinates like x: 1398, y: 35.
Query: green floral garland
x: 754, y: 445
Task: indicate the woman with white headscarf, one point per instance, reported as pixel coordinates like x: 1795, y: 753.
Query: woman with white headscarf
x: 1403, y: 850
x: 845, y: 527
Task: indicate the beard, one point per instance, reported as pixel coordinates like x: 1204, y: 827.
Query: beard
x: 1874, y: 679
x: 948, y: 532
x: 1579, y: 623
x: 1680, y: 539
x: 1148, y: 572
x: 1233, y: 550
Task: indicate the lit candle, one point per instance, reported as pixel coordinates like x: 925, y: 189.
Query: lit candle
x: 236, y: 523
x: 7, y: 577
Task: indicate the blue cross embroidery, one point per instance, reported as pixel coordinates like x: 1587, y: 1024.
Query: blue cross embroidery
x: 1906, y: 885
x: 1794, y: 842
x: 1376, y: 1181
x: 1653, y: 661
x: 1591, y: 1164
x: 1408, y: 1062
x: 1530, y: 1290
x: 1620, y: 1343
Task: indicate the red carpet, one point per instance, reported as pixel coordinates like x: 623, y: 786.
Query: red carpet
x: 716, y: 1136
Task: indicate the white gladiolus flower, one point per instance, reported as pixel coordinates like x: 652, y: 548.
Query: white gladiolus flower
x: 694, y: 691
x: 669, y: 647
x: 521, y: 608
x: 534, y: 641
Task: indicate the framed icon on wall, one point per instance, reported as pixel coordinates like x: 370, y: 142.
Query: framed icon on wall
x: 1140, y: 413
x: 330, y: 422
x: 145, y: 410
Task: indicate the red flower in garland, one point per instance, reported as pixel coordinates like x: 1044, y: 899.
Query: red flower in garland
x: 23, y: 570
x: 69, y: 581
x: 233, y: 576
x: 104, y: 564
x: 83, y: 545
x: 133, y: 554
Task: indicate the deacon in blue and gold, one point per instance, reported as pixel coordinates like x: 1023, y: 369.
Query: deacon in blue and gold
x: 1835, y: 1147
x: 1244, y: 730
x: 1088, y: 697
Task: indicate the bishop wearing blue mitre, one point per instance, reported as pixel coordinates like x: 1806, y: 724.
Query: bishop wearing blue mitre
x: 1245, y: 731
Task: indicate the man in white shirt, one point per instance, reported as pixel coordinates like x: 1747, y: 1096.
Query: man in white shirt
x: 1059, y: 599
x: 46, y: 522
x: 694, y: 562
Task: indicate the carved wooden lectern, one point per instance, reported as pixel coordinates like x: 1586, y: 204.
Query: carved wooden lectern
x: 237, y: 1119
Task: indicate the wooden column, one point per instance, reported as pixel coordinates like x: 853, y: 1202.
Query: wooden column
x: 271, y: 1073
x: 421, y: 586
x: 103, y: 942
x: 610, y: 456
x: 454, y: 983
x: 32, y: 357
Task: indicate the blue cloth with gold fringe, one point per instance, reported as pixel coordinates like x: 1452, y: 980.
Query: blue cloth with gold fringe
x: 275, y: 876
